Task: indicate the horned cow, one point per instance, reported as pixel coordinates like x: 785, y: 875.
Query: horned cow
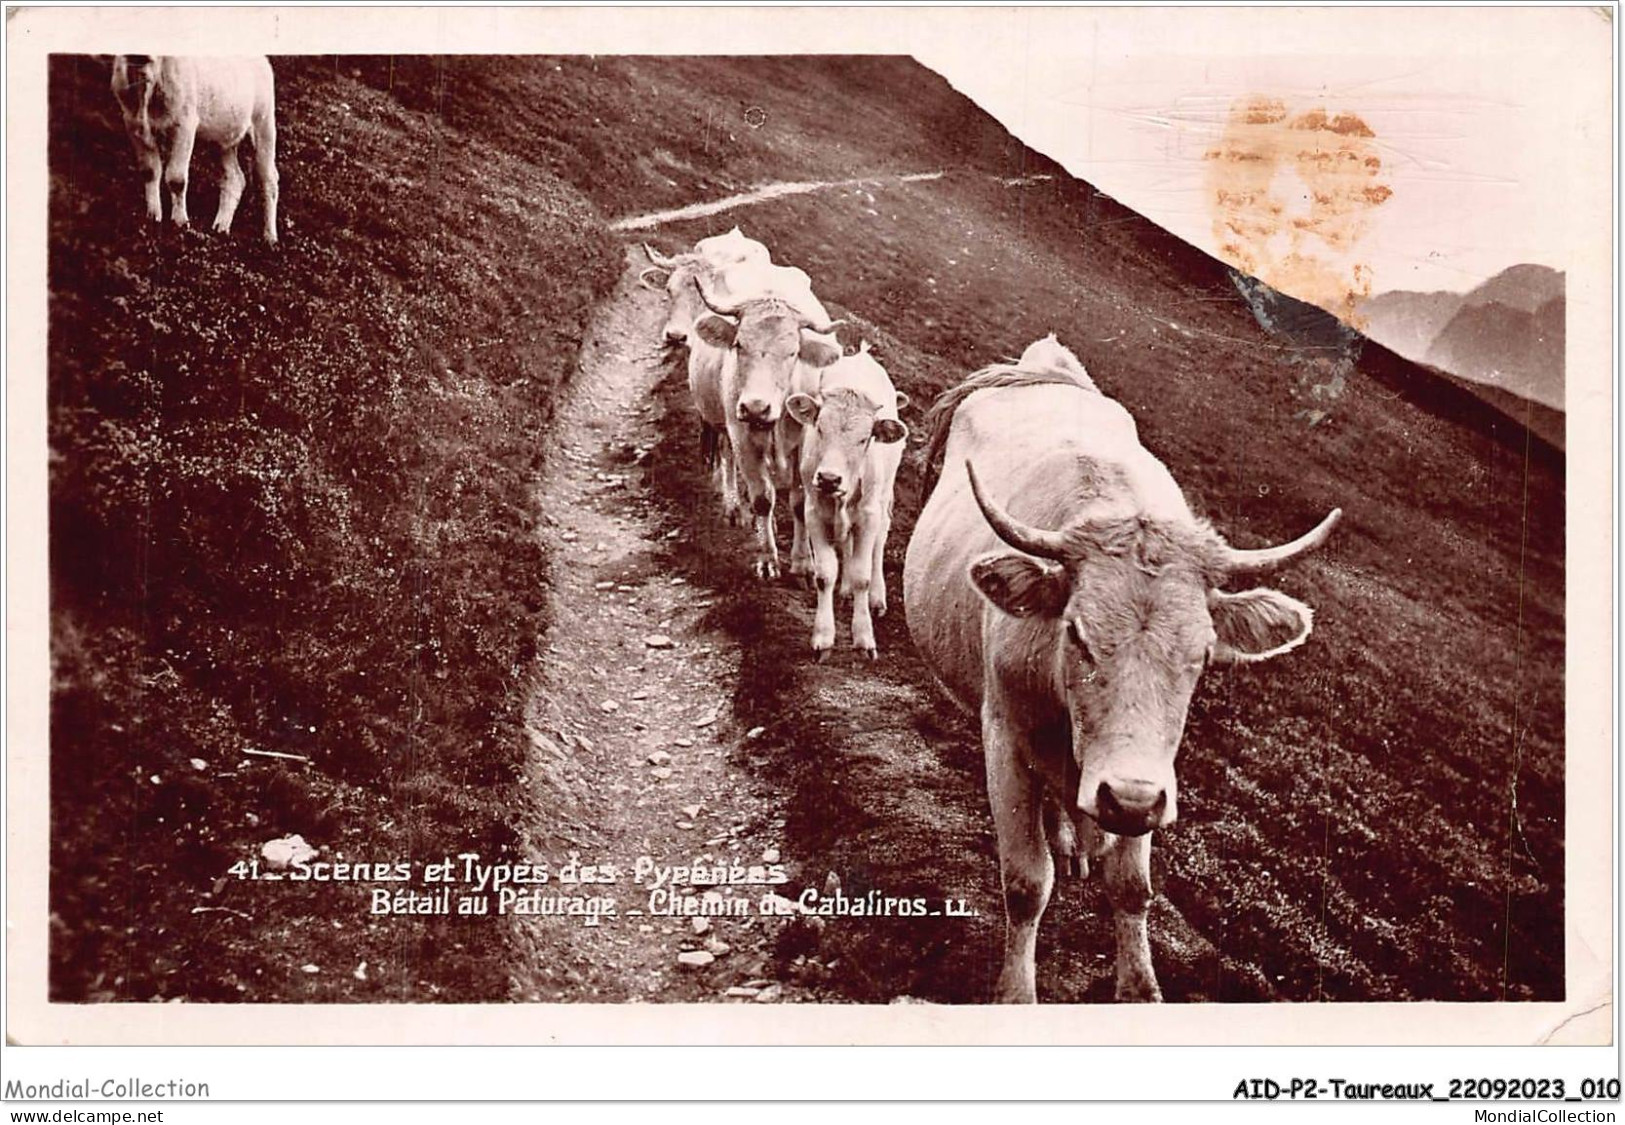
x: 752, y: 350
x: 851, y: 446
x: 675, y: 275
x: 1059, y: 586
x: 168, y: 102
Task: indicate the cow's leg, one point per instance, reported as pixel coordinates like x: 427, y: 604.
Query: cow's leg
x: 877, y: 563
x: 825, y: 566
x: 232, y: 182
x: 1128, y: 885
x: 801, y: 560
x: 788, y: 449
x: 178, y: 170
x: 265, y: 169
x: 728, y: 477
x: 151, y: 165
x: 1025, y: 866
x: 755, y: 466
x: 860, y: 565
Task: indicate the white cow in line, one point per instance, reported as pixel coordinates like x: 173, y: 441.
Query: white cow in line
x: 675, y: 276
x: 169, y: 102
x: 764, y: 338
x: 1060, y: 588
x: 851, y: 446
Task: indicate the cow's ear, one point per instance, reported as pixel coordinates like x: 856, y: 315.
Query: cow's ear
x: 1257, y: 624
x: 902, y: 402
x: 1021, y: 585
x: 818, y: 352
x: 889, y: 430
x: 717, y: 332
x: 803, y: 408
x: 655, y: 278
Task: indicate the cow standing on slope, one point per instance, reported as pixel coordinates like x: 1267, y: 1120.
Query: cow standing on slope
x: 1059, y: 586
x: 851, y: 446
x: 168, y: 102
x: 765, y: 342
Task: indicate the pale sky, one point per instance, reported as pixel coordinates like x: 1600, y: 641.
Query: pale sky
x: 1483, y: 118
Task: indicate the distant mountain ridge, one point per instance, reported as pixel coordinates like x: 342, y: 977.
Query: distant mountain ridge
x: 1507, y: 332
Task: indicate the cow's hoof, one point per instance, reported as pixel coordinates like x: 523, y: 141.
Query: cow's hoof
x: 877, y: 608
x: 1139, y: 993
x: 821, y: 655
x: 870, y: 651
x: 767, y: 570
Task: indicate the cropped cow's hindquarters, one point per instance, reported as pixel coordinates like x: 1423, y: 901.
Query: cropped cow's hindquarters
x: 1108, y: 606
x: 169, y: 102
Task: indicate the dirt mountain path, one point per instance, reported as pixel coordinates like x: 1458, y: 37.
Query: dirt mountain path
x: 679, y: 721
x: 632, y: 723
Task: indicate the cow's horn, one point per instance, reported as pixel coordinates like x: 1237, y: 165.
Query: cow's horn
x: 1265, y: 558
x: 720, y: 310
x: 825, y: 329
x: 1023, y: 537
x: 658, y: 258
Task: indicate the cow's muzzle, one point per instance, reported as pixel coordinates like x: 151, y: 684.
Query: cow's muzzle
x: 829, y: 484
x: 758, y: 414
x: 1130, y: 806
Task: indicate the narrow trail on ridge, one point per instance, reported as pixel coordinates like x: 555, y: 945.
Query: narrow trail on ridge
x: 631, y: 724
x: 761, y: 195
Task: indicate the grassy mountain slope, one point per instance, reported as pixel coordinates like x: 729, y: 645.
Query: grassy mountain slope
x: 290, y: 511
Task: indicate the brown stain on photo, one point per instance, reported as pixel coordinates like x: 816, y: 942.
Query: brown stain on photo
x: 1291, y: 195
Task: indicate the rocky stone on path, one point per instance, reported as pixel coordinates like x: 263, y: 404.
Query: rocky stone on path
x: 695, y: 958
x: 755, y: 732
x: 279, y: 854
x: 692, y: 812
x: 660, y: 773
x: 603, y: 585
x: 685, y: 824
x: 707, y: 719
x: 658, y: 640
x: 718, y: 948
x: 659, y: 758
x: 699, y: 923
x: 609, y: 706
x: 770, y: 855
x: 682, y: 742
x: 770, y: 994
x: 742, y: 992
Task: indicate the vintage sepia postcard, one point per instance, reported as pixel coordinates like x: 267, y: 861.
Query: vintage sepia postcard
x: 801, y: 525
